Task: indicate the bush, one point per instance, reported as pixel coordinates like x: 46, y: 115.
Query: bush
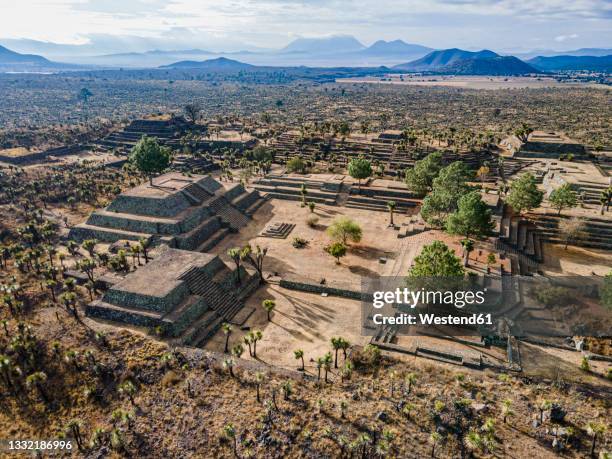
x: 299, y: 243
x: 312, y: 221
x: 296, y: 164
x: 552, y: 296
x: 344, y: 229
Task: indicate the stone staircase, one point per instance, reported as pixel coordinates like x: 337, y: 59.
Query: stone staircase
x: 288, y: 188
x: 196, y: 191
x: 376, y: 198
x: 521, y: 239
x: 224, y: 303
x: 228, y: 213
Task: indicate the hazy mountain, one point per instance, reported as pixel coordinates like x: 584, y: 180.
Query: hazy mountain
x: 10, y: 61
x: 326, y: 45
x: 11, y: 57
x: 219, y: 64
x: 550, y: 52
x: 438, y: 59
x: 556, y: 63
x: 395, y: 48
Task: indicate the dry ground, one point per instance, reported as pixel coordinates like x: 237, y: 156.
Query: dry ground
x: 470, y: 82
x: 301, y: 320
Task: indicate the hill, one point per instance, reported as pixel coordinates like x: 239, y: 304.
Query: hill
x: 556, y: 63
x: 499, y: 65
x: 461, y: 62
x: 437, y: 59
x: 327, y: 45
x: 11, y: 61
x: 11, y: 57
x: 219, y: 64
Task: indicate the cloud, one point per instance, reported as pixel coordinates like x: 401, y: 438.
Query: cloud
x: 226, y: 24
x: 562, y: 38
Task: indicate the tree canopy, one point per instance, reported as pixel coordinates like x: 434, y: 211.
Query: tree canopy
x: 343, y: 229
x: 524, y: 194
x: 448, y: 187
x: 420, y: 178
x: 149, y: 157
x: 563, y: 197
x: 472, y: 217
x: 436, y: 259
x: 359, y: 168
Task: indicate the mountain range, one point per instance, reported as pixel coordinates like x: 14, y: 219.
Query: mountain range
x: 561, y: 63
x: 332, y: 52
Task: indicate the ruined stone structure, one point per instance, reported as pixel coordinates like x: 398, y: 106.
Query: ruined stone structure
x: 184, y: 212
x: 166, y: 131
x: 549, y: 145
x: 185, y: 295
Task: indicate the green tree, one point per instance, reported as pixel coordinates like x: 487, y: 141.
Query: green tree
x: 448, y: 187
x: 237, y: 255
x: 149, y: 157
x: 343, y: 229
x: 337, y: 250
x: 391, y: 205
x: 420, y: 178
x: 303, y: 192
x: 524, y: 194
x: 563, y: 197
x: 436, y: 259
x: 227, y: 331
x: 360, y: 169
x: 38, y: 380
x: 299, y: 354
x: 434, y: 439
x: 296, y: 164
x: 472, y: 218
x: 594, y: 430
x: 269, y: 306
x: 523, y: 131
x: 468, y: 246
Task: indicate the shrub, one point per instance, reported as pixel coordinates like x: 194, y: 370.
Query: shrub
x: 299, y: 243
x: 312, y: 221
x: 296, y: 164
x: 551, y: 296
x: 344, y: 229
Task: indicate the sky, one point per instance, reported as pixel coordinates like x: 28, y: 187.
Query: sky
x: 232, y: 25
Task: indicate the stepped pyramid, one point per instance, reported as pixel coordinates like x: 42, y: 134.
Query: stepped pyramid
x: 184, y: 212
x: 188, y: 295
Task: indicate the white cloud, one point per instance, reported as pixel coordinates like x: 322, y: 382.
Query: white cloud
x: 272, y: 23
x: 562, y: 38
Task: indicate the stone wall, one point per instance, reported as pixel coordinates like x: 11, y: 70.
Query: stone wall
x: 192, y: 240
x: 167, y: 206
x: 151, y: 303
x: 307, y: 286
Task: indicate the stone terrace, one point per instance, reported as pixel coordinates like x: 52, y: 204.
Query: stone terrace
x: 321, y: 188
x: 185, y: 212
x: 165, y: 130
x: 186, y: 295
x: 549, y: 145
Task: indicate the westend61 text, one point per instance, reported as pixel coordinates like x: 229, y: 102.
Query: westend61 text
x: 432, y: 319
